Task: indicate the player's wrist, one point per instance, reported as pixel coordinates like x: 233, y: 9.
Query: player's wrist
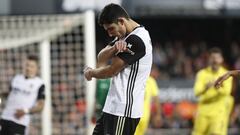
x: 91, y: 73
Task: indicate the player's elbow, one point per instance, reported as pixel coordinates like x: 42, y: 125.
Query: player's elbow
x: 101, y: 64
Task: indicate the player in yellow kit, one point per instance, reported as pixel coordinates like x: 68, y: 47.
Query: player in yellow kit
x: 151, y: 96
x: 214, y: 104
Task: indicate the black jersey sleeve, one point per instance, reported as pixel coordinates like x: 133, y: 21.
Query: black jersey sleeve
x: 41, y: 92
x: 136, y: 48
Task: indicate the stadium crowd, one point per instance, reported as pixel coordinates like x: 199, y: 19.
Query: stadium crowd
x: 181, y: 60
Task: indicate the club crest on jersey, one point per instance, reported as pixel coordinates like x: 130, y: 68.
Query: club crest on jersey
x: 129, y: 45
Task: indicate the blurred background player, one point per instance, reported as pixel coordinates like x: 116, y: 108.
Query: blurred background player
x: 214, y: 105
x: 151, y: 96
x: 26, y: 97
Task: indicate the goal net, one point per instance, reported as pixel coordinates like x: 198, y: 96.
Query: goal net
x: 64, y: 44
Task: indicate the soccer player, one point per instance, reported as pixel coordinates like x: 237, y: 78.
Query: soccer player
x: 131, y: 59
x: 214, y: 104
x: 151, y: 96
x: 26, y: 97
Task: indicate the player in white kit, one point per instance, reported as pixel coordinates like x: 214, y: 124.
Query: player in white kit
x: 26, y: 97
x: 131, y: 59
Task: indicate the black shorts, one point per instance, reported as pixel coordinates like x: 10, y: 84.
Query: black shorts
x: 115, y: 125
x: 11, y: 128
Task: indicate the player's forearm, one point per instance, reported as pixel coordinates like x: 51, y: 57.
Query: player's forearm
x: 37, y: 108
x: 203, y: 88
x: 105, y: 55
x: 209, y: 95
x: 234, y: 73
x: 103, y: 72
x: 199, y: 92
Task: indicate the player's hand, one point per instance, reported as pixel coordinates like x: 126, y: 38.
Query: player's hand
x: 121, y: 46
x: 87, y: 73
x: 220, y: 80
x: 19, y: 113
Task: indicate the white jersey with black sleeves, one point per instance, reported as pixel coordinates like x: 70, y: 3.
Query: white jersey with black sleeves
x: 126, y: 93
x: 23, y: 95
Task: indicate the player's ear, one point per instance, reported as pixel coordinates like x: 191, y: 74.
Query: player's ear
x: 121, y: 20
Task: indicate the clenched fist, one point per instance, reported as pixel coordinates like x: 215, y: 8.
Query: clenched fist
x: 87, y: 73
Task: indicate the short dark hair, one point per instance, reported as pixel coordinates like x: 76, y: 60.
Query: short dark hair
x: 111, y: 13
x: 215, y: 50
x: 32, y: 57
